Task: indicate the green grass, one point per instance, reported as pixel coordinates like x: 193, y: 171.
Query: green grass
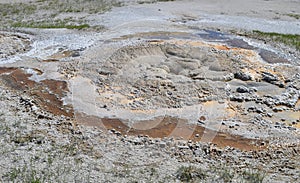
x: 165, y: 0
x: 42, y: 13
x: 296, y: 16
x: 12, y: 9
x: 25, y: 173
x: 190, y: 173
x: 253, y: 176
x: 153, y: 1
x: 75, y: 6
x: 288, y: 39
x: 226, y: 174
x: 52, y: 25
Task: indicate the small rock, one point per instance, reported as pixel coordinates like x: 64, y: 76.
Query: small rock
x: 202, y: 119
x: 162, y: 144
x: 259, y: 110
x: 291, y: 128
x: 118, y: 133
x: 242, y: 76
x: 277, y: 109
x: 254, y: 89
x: 268, y: 77
x: 137, y: 141
x: 75, y: 54
x: 242, y: 89
x: 237, y: 98
x: 281, y: 85
x: 229, y: 77
x: 183, y: 147
x: 34, y: 108
x: 198, y: 152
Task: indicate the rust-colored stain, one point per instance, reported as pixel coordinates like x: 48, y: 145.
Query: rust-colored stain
x: 47, y: 94
x: 174, y: 127
x: 161, y: 127
x: 6, y: 70
x: 50, y: 60
x: 222, y: 47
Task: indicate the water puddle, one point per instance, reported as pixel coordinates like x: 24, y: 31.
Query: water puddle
x: 160, y: 35
x: 210, y: 35
x: 268, y: 56
x: 239, y: 43
x: 272, y: 57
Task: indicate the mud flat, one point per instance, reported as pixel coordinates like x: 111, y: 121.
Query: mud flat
x: 179, y: 91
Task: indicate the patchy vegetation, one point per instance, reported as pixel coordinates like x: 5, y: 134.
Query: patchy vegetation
x: 296, y: 16
x: 288, y: 39
x: 253, y: 176
x: 190, y: 173
x: 50, y: 25
x: 153, y: 1
x: 51, y: 14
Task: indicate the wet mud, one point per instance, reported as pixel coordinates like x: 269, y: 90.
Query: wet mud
x: 171, y: 127
x: 47, y: 94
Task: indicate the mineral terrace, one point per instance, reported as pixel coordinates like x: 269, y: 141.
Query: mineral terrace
x: 150, y: 91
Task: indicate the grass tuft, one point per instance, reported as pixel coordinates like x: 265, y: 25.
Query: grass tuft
x: 253, y: 176
x: 296, y: 16
x: 190, y: 173
x: 50, y: 25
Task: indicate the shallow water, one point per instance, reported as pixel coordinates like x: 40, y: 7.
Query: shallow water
x: 267, y: 55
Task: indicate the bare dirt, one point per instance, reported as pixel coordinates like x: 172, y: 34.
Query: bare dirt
x: 173, y: 91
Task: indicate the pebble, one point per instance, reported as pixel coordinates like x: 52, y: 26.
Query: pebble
x: 277, y: 109
x: 137, y: 141
x: 242, y: 89
x: 237, y: 98
x: 183, y: 147
x: 198, y: 152
x: 268, y: 77
x: 162, y: 144
x: 118, y: 133
x: 291, y: 128
x: 242, y: 76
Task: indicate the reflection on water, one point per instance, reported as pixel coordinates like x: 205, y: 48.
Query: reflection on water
x: 230, y: 40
